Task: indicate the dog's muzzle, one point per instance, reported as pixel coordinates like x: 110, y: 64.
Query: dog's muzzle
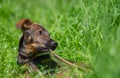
x: 51, y: 44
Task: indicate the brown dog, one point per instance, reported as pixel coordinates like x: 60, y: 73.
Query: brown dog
x: 34, y: 41
x: 34, y: 47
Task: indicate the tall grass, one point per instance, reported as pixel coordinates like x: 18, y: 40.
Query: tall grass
x: 87, y: 31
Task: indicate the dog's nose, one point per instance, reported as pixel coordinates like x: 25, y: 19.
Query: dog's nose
x: 54, y: 44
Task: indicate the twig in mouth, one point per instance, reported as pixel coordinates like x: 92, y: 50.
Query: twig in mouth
x: 67, y: 62
x: 61, y: 59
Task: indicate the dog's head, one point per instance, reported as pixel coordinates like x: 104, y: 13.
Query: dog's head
x: 36, y: 38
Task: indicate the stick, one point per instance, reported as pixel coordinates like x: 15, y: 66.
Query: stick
x: 63, y: 60
x: 67, y: 62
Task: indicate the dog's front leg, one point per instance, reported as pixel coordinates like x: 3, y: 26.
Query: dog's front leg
x: 33, y: 66
x: 22, y: 60
x: 27, y: 74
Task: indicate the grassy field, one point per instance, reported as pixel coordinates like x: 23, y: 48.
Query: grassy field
x: 87, y: 31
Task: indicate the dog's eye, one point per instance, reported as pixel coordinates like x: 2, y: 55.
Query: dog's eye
x: 40, y: 32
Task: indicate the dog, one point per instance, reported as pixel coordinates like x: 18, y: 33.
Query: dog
x: 34, y: 51
x: 34, y: 42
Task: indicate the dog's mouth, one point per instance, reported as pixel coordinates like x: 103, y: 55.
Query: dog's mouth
x: 49, y: 45
x: 45, y: 49
x: 42, y: 49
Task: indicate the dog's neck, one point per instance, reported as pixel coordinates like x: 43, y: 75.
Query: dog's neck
x: 22, y: 58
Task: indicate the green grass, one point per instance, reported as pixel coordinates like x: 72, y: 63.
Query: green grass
x: 87, y: 31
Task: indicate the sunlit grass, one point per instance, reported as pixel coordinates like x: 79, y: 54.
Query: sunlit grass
x: 87, y: 31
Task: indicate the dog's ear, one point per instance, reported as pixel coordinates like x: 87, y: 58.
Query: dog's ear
x: 24, y: 24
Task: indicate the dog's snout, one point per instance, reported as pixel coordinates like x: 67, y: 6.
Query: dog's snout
x: 53, y: 43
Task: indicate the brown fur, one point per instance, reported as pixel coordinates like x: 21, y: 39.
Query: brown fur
x: 34, y: 41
